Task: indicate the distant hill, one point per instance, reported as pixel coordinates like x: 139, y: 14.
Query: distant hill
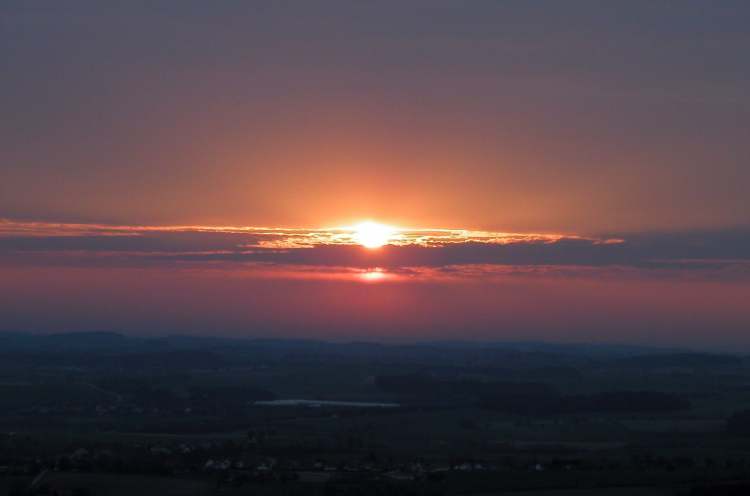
x: 494, y: 358
x: 681, y: 360
x: 84, y: 340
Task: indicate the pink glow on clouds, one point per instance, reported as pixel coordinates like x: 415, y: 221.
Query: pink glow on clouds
x: 684, y: 289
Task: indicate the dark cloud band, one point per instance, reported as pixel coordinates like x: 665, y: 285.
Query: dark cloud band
x: 94, y: 245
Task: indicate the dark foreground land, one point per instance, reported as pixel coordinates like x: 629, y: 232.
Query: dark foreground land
x: 104, y: 414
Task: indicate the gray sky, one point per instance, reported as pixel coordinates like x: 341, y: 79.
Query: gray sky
x: 579, y: 116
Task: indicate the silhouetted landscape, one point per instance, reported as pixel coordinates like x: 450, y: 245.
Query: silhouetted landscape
x: 104, y: 413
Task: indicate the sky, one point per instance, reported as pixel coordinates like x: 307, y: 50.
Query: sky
x: 565, y: 171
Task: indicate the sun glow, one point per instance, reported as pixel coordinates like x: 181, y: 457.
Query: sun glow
x: 373, y: 275
x: 373, y: 235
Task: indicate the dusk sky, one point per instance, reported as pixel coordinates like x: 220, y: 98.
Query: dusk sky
x: 390, y: 170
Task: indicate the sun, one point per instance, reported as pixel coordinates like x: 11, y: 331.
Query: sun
x: 372, y: 235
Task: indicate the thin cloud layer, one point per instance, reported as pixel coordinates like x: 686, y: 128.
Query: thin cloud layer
x: 409, y: 251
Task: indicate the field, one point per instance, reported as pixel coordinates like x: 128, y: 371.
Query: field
x: 206, y: 421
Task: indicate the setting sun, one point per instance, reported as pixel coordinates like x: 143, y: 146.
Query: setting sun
x: 373, y: 235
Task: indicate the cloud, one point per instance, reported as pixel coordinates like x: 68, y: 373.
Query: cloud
x: 724, y: 252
